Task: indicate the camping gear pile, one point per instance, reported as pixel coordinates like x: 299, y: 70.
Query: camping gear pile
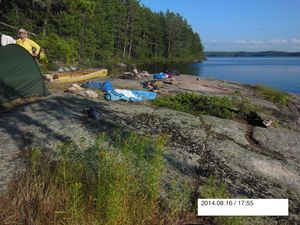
x: 111, y: 94
x: 167, y: 74
x: 152, y: 85
x: 161, y: 76
x: 159, y: 79
x: 135, y: 75
x: 75, y: 88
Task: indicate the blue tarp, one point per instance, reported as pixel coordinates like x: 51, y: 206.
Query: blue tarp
x: 113, y: 95
x: 159, y: 76
x: 106, y: 86
x: 139, y: 96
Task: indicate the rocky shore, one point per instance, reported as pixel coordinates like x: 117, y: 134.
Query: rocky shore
x: 253, y: 161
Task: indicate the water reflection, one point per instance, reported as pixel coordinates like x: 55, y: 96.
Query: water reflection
x: 187, y: 68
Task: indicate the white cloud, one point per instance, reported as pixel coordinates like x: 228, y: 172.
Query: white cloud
x: 235, y: 42
x: 214, y: 42
x: 278, y: 42
x: 240, y: 42
x: 255, y: 42
x: 295, y: 41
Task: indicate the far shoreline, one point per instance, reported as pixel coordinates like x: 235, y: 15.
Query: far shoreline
x: 251, y: 54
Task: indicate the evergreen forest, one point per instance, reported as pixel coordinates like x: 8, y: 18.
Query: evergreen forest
x: 102, y: 32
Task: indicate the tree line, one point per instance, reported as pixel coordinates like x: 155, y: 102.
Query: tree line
x: 94, y: 32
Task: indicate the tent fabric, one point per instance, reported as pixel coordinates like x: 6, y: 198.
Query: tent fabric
x: 20, y: 75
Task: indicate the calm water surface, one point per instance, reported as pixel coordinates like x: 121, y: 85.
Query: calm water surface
x: 281, y: 73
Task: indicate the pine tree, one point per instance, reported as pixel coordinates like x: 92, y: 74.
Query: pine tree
x: 93, y: 32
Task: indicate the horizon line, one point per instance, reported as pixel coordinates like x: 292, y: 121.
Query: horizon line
x: 256, y: 51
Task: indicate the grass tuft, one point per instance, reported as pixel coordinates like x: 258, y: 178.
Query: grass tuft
x: 116, y: 183
x: 275, y: 96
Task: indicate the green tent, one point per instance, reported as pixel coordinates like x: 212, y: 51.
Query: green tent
x: 20, y: 75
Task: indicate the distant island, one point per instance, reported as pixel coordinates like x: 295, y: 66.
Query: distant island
x: 252, y: 54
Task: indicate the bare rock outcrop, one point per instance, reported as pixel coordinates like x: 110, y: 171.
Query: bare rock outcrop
x: 254, y: 162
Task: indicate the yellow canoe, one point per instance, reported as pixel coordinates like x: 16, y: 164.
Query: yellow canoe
x: 76, y: 76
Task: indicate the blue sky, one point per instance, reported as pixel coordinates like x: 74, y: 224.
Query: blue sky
x: 239, y: 25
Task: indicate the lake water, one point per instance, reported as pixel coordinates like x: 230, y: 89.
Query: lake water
x: 281, y: 73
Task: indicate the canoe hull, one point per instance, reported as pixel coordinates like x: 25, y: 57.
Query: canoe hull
x: 64, y: 78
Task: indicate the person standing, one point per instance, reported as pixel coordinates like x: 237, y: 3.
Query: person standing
x: 32, y: 47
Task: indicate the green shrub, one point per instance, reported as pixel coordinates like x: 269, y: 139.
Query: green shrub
x: 60, y: 49
x: 214, y: 189
x: 223, y: 107
x: 236, y: 92
x: 52, y: 66
x: 273, y: 95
